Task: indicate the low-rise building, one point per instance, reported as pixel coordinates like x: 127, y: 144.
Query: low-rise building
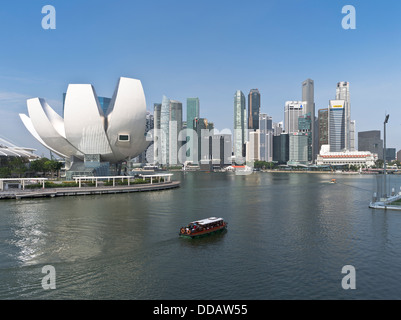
x: 358, y: 158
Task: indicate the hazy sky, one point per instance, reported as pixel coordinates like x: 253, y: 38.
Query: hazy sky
x: 206, y: 49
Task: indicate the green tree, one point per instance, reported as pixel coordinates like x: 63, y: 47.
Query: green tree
x: 379, y: 163
x: 52, y: 166
x: 42, y: 165
x: 18, y: 166
x: 37, y: 165
x: 5, y: 172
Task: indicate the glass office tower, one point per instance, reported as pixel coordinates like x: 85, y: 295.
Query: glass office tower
x: 337, y: 125
x: 305, y: 125
x: 253, y: 109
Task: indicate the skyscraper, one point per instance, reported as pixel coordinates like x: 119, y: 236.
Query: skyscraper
x: 337, y: 125
x: 370, y: 141
x: 281, y: 148
x: 352, y: 135
x: 252, y: 146
x: 253, y: 109
x: 157, y: 133
x: 292, y: 111
x: 167, y: 125
x: 305, y: 125
x: 298, y: 153
x: 277, y: 128
x: 240, y: 126
x: 175, y: 124
x: 164, y: 131
x: 266, y: 137
x: 192, y: 113
x: 308, y: 95
x: 342, y: 93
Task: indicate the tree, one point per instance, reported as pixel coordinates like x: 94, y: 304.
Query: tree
x: 5, y: 172
x: 45, y: 165
x: 52, y: 166
x: 379, y: 163
x: 18, y: 165
x: 38, y: 165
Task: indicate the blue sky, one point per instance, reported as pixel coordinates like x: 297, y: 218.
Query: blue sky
x: 206, y: 49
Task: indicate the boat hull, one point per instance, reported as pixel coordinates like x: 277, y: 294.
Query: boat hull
x: 204, y: 233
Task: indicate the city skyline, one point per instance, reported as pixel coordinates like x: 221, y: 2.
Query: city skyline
x: 273, y: 66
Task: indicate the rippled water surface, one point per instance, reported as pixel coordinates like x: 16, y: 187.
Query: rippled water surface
x: 289, y: 236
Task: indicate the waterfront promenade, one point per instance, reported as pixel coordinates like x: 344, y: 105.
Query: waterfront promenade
x: 79, y: 191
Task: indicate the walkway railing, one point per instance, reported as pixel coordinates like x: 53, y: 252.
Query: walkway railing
x: 158, y: 177
x: 21, y: 182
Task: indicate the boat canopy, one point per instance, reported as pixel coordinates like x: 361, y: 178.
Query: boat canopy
x: 207, y: 221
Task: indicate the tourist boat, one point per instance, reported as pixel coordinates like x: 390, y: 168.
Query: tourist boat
x: 203, y: 227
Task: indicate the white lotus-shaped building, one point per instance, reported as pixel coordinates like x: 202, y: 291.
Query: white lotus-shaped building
x: 86, y: 130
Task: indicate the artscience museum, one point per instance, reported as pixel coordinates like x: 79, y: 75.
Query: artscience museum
x: 87, y: 137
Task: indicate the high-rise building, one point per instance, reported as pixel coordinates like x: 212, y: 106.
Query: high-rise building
x: 175, y: 124
x: 164, y: 136
x: 253, y: 109
x: 240, y: 126
x: 281, y: 148
x: 305, y: 125
x: 352, y: 135
x: 399, y: 155
x: 252, y: 146
x: 337, y: 125
x: 204, y: 131
x: 323, y: 127
x: 157, y: 133
x: 390, y: 154
x: 343, y: 93
x: 292, y: 111
x: 167, y: 125
x: 221, y: 149
x: 147, y: 155
x: 216, y: 148
x: 266, y: 137
x: 278, y: 128
x: 156, y: 115
x: 193, y: 106
x: 370, y: 141
x: 299, y: 145
x: 308, y: 95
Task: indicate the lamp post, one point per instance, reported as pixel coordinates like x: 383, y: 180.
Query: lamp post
x: 384, y: 156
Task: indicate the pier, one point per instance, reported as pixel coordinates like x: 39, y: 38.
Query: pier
x: 160, y: 184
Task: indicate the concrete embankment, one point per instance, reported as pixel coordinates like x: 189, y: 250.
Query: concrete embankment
x: 62, y: 192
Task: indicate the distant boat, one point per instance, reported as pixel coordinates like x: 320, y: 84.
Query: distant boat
x: 203, y: 227
x: 333, y: 181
